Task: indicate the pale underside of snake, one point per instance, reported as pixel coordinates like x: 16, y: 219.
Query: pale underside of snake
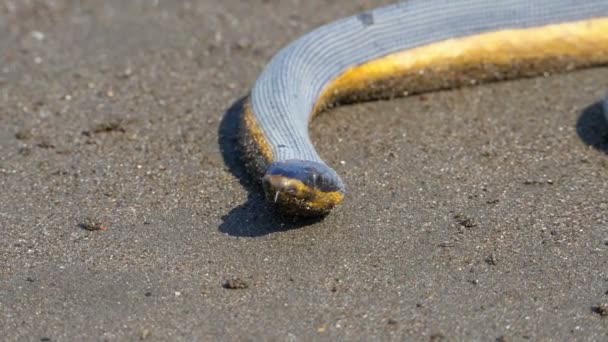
x: 402, y: 49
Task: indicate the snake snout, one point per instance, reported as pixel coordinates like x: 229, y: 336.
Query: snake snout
x: 302, y: 188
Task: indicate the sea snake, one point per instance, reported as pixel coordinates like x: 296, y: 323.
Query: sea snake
x: 406, y: 48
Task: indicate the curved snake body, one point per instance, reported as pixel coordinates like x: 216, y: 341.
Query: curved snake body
x: 406, y: 48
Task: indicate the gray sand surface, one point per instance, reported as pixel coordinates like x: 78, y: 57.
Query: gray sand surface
x: 472, y: 214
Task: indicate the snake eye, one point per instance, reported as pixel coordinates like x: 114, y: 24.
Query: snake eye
x: 290, y: 189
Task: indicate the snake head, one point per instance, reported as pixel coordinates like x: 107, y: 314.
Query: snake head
x: 302, y: 188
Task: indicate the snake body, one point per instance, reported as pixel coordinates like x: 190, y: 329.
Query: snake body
x: 406, y: 48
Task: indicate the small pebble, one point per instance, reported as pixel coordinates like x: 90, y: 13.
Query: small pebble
x: 92, y: 224
x: 235, y: 284
x: 38, y: 35
x: 601, y: 309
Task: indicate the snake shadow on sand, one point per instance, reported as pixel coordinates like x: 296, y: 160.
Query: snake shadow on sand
x: 254, y: 217
x: 592, y: 127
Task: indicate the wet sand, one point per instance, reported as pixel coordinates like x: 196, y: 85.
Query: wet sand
x: 125, y: 214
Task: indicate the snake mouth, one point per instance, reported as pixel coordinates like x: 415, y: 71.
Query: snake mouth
x: 300, y: 188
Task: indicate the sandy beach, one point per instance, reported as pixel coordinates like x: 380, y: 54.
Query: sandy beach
x: 471, y: 214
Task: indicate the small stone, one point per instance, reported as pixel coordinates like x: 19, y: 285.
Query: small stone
x: 111, y: 125
x: 45, y: 144
x: 601, y: 309
x: 491, y: 260
x: 24, y: 135
x: 128, y: 72
x: 465, y: 221
x: 144, y: 334
x: 235, y: 283
x: 438, y: 337
x: 38, y: 35
x: 92, y: 224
